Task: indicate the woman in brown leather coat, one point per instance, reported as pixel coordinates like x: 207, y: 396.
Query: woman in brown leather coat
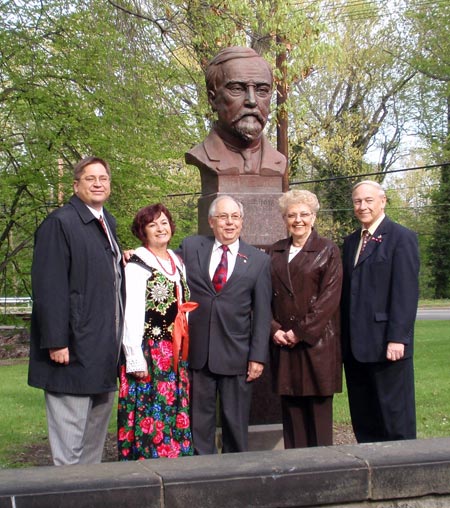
x: 305, y: 346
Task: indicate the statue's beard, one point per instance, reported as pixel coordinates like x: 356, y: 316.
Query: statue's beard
x: 249, y: 127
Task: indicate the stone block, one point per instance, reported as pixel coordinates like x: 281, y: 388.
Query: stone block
x: 109, y: 485
x: 290, y: 478
x: 406, y: 469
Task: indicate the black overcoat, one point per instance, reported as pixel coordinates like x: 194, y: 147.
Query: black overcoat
x: 74, y: 303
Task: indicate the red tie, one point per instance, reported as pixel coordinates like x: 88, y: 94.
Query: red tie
x: 220, y: 275
x: 102, y: 222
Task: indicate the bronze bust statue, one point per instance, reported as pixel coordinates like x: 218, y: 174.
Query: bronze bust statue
x: 239, y: 84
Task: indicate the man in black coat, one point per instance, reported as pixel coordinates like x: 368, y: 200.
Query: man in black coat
x: 229, y: 332
x: 379, y: 304
x: 77, y: 314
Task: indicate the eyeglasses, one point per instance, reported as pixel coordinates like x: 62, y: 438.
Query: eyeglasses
x: 224, y: 217
x: 92, y: 179
x: 302, y: 215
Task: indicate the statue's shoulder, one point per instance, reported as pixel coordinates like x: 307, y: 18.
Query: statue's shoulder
x: 273, y: 161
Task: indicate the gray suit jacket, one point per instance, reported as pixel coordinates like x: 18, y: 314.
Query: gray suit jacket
x: 232, y: 327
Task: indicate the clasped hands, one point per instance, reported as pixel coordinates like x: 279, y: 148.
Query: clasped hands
x: 285, y: 339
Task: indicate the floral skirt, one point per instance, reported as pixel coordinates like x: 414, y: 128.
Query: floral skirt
x: 153, y: 413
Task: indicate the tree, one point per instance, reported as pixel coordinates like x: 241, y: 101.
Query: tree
x: 429, y: 25
x: 78, y: 80
x: 348, y: 106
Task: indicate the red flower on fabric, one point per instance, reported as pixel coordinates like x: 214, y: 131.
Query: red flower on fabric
x: 126, y: 435
x: 123, y: 389
x: 167, y: 389
x: 166, y: 349
x: 182, y: 421
x: 163, y: 450
x: 184, y: 377
x: 171, y: 450
x: 158, y: 437
x: 147, y: 425
x: 163, y: 362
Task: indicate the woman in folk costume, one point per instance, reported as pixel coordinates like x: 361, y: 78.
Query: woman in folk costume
x: 153, y: 409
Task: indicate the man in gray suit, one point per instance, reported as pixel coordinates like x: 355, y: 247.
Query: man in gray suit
x: 229, y: 332
x: 77, y: 317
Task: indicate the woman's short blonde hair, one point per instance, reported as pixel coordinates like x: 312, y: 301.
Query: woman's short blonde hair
x: 296, y: 197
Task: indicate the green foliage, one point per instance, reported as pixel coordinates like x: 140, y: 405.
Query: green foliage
x: 439, y: 247
x: 80, y: 80
x: 124, y: 80
x: 432, y: 386
x: 429, y: 56
x: 344, y: 103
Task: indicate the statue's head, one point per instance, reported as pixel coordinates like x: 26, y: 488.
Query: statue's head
x: 239, y: 85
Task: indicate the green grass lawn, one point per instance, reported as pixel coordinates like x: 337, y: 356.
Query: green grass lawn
x: 22, y: 414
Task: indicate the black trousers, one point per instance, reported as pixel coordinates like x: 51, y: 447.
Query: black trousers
x: 381, y: 399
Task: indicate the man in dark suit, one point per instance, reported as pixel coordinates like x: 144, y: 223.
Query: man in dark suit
x: 77, y: 317
x: 229, y: 332
x: 379, y: 305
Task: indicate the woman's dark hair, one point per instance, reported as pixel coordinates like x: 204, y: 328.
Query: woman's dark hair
x: 149, y: 214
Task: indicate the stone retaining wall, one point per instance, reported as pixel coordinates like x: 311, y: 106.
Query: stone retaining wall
x: 399, y: 474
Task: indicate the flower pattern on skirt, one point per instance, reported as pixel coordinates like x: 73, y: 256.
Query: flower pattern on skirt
x: 153, y: 413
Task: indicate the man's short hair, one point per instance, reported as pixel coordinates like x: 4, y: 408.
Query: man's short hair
x: 213, y: 205
x: 79, y: 168
x: 372, y: 183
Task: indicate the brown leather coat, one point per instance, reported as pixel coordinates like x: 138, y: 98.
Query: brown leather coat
x: 305, y: 298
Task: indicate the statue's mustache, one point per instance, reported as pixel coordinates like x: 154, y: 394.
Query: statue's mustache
x: 257, y: 115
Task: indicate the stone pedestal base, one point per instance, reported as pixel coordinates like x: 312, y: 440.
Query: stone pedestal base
x: 266, y: 406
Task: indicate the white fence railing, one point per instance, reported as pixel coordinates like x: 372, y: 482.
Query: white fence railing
x: 15, y: 305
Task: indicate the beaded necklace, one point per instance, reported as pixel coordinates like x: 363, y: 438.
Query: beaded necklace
x: 172, y: 263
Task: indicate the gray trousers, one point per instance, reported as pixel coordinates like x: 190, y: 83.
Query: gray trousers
x: 77, y: 426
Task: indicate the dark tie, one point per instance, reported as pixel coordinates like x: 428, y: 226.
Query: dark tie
x: 220, y: 275
x: 102, y: 222
x: 365, y: 240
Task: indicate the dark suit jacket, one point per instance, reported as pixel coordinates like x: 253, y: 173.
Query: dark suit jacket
x: 74, y: 303
x: 232, y: 327
x: 210, y: 155
x: 380, y: 294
